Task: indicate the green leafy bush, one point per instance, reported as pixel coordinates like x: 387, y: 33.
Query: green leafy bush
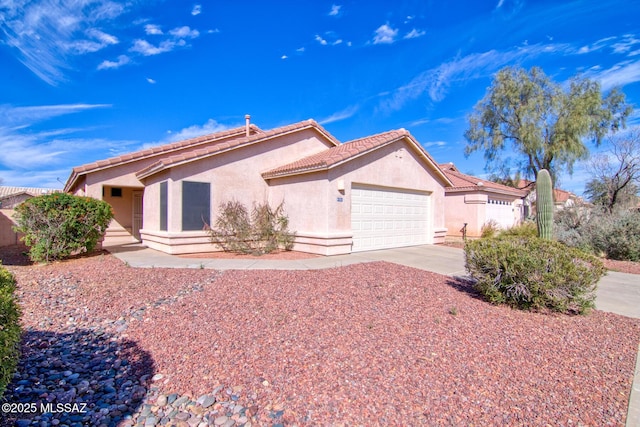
x: 9, y: 328
x: 532, y: 273
x: 264, y: 231
x: 58, y: 225
x: 526, y: 229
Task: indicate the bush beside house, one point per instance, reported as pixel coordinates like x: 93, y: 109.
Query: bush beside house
x: 58, y: 225
x: 263, y: 231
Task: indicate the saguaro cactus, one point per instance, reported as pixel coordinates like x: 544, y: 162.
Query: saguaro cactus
x: 544, y: 205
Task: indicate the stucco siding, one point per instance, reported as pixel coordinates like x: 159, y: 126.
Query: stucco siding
x: 392, y: 166
x: 233, y: 176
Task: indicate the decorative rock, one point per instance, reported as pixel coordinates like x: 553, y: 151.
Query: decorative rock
x: 161, y: 400
x: 220, y: 420
x: 208, y: 401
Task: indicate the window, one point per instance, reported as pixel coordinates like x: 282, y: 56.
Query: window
x: 196, y: 205
x: 116, y: 192
x: 163, y: 206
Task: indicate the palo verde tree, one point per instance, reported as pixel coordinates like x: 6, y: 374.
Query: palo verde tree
x: 527, y: 113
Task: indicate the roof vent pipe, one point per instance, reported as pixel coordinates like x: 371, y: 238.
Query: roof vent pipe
x: 247, y: 119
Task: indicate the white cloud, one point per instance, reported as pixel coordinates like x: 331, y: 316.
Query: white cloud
x: 184, y: 32
x: 335, y: 10
x: 20, y: 116
x: 434, y: 144
x: 599, y: 44
x: 385, y: 35
x: 151, y: 81
x: 100, y: 41
x: 300, y: 50
x: 337, y: 42
x: 626, y: 44
x: 320, y: 40
x: 340, y: 115
x: 509, y: 8
x: 47, y: 35
x: 210, y: 126
x: 145, y: 48
x: 23, y: 149
x: 104, y: 38
x: 177, y: 39
x: 436, y: 81
x: 122, y: 60
x: 620, y: 74
x: 197, y: 10
x: 152, y: 29
x: 284, y: 57
x: 414, y: 34
x: 214, y: 31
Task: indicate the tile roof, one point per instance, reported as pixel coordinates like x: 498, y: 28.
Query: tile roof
x: 464, y: 182
x: 157, y: 151
x: 167, y: 148
x: 559, y: 196
x: 222, y: 146
x: 32, y: 191
x: 348, y: 151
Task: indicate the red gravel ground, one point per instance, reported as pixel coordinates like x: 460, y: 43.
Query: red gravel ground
x: 367, y: 344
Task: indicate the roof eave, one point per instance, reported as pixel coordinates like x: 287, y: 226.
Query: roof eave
x: 516, y: 193
x: 310, y: 124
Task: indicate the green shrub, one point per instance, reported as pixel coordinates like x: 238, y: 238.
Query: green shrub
x: 526, y: 229
x: 489, y: 229
x: 613, y: 234
x: 574, y: 226
x: 58, y: 225
x: 9, y: 329
x: 264, y: 231
x: 620, y: 237
x: 532, y: 273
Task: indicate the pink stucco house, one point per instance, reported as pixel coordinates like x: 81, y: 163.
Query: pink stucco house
x: 476, y: 202
x: 376, y: 192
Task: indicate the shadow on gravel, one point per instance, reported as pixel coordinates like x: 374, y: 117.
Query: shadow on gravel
x: 85, y: 378
x: 19, y: 255
x: 464, y: 285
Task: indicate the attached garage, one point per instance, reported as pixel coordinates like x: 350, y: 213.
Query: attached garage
x: 383, y: 218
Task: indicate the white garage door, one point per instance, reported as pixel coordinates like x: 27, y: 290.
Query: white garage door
x: 383, y: 218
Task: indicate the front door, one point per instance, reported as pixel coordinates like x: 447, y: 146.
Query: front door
x: 137, y: 214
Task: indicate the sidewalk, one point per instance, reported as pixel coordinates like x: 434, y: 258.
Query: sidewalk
x: 617, y: 292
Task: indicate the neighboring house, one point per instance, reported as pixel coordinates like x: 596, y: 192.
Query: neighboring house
x: 377, y: 192
x: 561, y: 199
x: 10, y: 197
x: 473, y: 202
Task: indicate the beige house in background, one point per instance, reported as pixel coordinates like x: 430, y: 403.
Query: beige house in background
x: 10, y: 197
x: 376, y: 192
x: 476, y: 202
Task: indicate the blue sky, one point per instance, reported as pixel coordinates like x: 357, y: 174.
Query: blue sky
x: 83, y: 80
